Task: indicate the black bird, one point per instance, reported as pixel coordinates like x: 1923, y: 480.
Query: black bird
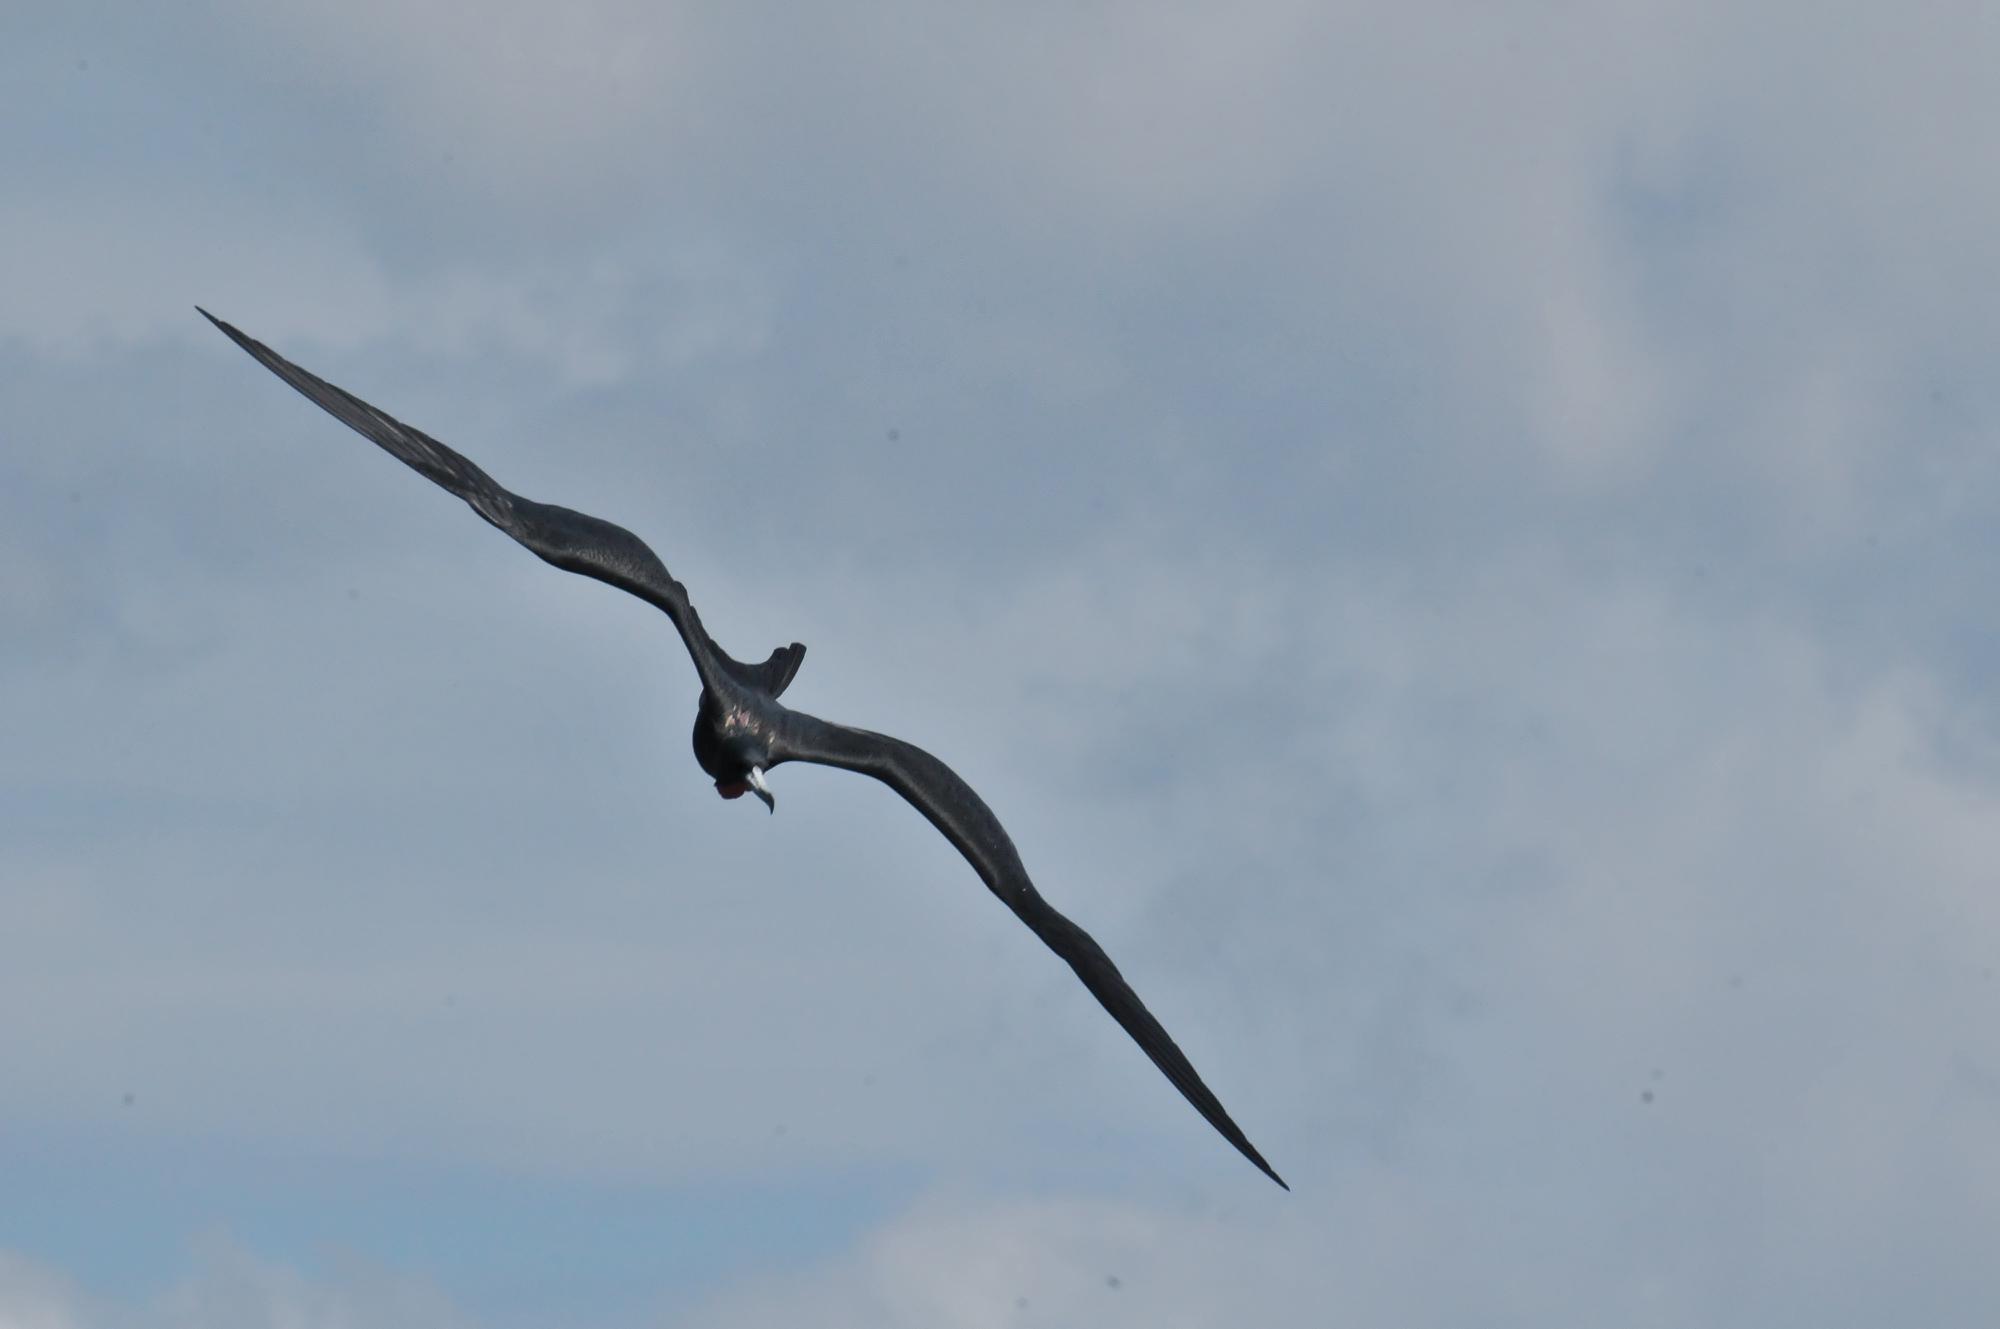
x: 741, y: 731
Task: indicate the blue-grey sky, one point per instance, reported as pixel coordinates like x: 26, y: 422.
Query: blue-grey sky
x: 1460, y: 541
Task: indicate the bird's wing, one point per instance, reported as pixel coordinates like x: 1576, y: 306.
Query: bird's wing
x: 573, y: 541
x: 935, y: 790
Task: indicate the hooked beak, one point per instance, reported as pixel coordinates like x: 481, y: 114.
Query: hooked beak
x: 762, y: 790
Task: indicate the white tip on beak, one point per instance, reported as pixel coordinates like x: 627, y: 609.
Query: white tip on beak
x: 762, y: 790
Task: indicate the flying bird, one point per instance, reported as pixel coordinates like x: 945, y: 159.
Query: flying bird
x: 742, y: 731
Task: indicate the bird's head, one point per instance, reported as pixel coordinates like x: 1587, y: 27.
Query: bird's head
x: 735, y: 755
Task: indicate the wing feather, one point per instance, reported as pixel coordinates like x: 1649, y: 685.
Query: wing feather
x: 950, y: 804
x: 573, y: 541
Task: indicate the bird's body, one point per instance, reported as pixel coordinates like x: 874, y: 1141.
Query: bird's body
x: 741, y: 728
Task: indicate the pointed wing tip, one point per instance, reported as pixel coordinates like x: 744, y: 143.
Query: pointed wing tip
x: 1257, y: 1161
x: 226, y: 329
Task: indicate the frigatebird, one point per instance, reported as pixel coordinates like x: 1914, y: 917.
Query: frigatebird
x: 741, y: 730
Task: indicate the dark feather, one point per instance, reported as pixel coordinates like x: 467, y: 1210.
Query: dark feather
x: 949, y: 803
x: 572, y: 541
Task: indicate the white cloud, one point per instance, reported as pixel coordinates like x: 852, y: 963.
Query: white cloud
x: 88, y: 282
x: 32, y: 1297
x: 528, y: 96
x: 228, y: 1288
x: 955, y: 1264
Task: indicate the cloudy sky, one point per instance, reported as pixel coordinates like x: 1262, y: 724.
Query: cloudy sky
x: 1461, y: 542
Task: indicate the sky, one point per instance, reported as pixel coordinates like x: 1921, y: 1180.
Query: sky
x: 1460, y: 540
